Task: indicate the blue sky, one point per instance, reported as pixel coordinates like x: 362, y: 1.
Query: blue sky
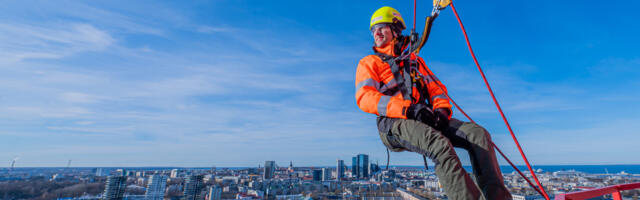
x: 235, y: 83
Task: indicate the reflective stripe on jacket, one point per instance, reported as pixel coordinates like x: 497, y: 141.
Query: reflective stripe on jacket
x: 375, y: 83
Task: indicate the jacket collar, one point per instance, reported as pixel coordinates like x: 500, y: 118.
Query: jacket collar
x: 393, y: 48
x: 387, y: 49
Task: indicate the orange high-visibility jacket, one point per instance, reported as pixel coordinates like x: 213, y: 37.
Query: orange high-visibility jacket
x: 374, y: 77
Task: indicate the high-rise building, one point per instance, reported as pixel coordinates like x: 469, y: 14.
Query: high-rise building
x: 354, y: 167
x: 140, y: 174
x: 389, y: 175
x: 269, y: 169
x: 373, y: 168
x: 101, y: 172
x: 155, y: 187
x: 174, y: 173
x: 193, y: 187
x: 215, y: 193
x: 317, y: 175
x: 120, y: 172
x: 340, y: 170
x: 326, y: 174
x: 360, y: 166
x: 363, y: 160
x: 114, y: 188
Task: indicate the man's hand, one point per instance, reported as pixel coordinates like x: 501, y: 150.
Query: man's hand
x: 421, y: 113
x: 441, y: 119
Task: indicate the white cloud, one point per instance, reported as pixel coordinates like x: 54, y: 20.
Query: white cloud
x: 76, y: 97
x: 20, y: 41
x: 85, y: 122
x: 606, y: 142
x: 257, y: 94
x: 210, y: 29
x: 47, y: 111
x: 84, y: 130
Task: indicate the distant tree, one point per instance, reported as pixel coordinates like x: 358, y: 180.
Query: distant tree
x: 44, y: 189
x: 74, y: 191
x: 135, y: 190
x: 174, y: 193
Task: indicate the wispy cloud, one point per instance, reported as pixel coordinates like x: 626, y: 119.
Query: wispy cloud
x: 82, y: 98
x: 231, y: 103
x: 210, y: 29
x: 19, y: 41
x: 593, y: 143
x: 110, y: 85
x: 55, y: 112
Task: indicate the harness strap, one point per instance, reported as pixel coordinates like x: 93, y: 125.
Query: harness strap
x: 405, y: 74
x: 404, y: 83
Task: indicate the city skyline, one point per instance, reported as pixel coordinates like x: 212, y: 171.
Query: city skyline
x: 237, y: 83
x: 194, y: 183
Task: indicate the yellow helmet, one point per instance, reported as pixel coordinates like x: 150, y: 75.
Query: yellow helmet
x: 387, y: 15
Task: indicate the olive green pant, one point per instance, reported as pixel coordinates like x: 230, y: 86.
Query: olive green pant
x: 418, y: 137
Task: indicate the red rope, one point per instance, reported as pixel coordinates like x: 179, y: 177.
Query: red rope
x: 498, y: 105
x: 414, y: 14
x: 519, y: 172
x: 465, y: 114
x: 493, y: 144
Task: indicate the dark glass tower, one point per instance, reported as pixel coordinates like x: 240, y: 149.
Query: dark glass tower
x: 354, y: 167
x: 360, y: 166
x: 193, y: 187
x: 363, y: 166
x: 340, y: 170
x: 317, y: 175
x: 269, y: 169
x: 114, y: 188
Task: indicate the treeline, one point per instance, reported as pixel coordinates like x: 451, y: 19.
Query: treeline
x: 43, y: 189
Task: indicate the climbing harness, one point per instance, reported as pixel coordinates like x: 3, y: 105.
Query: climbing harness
x: 407, y: 81
x: 405, y: 75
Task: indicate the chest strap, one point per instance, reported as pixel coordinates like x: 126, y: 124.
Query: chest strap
x: 405, y: 75
x: 401, y: 74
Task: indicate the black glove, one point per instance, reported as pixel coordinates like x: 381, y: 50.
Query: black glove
x: 441, y: 118
x: 421, y: 113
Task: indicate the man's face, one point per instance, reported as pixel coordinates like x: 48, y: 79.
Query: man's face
x: 382, y: 34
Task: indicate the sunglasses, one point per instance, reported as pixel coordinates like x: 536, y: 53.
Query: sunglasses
x: 379, y: 27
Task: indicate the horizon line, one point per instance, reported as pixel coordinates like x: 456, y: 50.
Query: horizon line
x: 296, y: 166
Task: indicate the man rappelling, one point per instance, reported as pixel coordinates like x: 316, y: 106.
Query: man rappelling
x: 414, y: 113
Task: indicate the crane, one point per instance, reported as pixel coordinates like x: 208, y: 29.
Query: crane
x: 13, y: 163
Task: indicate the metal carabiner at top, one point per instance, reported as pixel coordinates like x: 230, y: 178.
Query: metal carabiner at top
x: 438, y: 6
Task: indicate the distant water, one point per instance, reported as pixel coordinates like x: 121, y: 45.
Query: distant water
x: 591, y: 169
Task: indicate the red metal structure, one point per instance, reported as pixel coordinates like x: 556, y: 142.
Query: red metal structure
x: 613, y: 190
